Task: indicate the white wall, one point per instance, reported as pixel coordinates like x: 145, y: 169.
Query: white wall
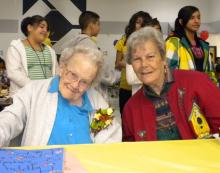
x: 164, y: 10
x: 105, y: 42
x: 214, y: 40
x: 9, y: 9
x: 213, y: 11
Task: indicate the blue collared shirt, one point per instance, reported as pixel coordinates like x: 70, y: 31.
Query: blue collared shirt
x: 71, y: 125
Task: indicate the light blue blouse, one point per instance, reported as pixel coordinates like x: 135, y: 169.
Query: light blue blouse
x: 72, y: 124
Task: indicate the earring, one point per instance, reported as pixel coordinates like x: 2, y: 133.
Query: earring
x: 165, y: 69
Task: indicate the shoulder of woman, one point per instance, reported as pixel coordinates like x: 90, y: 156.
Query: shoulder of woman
x: 172, y: 38
x: 96, y: 99
x: 49, y: 47
x: 34, y: 87
x: 51, y: 50
x: 16, y: 46
x: 17, y: 43
x: 191, y: 76
x: 173, y: 42
x: 120, y: 45
x: 34, y: 84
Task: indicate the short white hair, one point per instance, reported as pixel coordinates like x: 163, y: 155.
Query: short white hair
x: 93, y: 54
x: 142, y: 36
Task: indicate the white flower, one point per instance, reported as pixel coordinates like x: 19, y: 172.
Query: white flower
x: 108, y: 122
x: 109, y: 111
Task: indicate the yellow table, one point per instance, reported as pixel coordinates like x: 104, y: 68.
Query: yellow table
x: 185, y: 156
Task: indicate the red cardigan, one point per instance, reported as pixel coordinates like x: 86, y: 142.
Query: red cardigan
x: 139, y: 114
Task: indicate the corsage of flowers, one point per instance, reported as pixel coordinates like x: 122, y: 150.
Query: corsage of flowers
x: 101, y: 120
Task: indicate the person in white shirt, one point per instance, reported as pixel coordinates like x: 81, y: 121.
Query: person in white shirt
x: 59, y: 110
x: 29, y: 58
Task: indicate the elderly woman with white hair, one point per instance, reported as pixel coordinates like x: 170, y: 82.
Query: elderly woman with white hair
x: 59, y: 110
x: 171, y: 105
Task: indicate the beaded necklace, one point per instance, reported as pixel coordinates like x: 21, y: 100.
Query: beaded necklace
x: 43, y: 69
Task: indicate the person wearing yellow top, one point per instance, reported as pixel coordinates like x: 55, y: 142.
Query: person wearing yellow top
x: 121, y: 47
x: 137, y: 21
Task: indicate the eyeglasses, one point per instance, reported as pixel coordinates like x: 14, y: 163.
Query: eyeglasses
x: 82, y: 83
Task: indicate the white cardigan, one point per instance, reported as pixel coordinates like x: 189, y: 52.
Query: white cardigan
x: 16, y: 65
x: 34, y: 111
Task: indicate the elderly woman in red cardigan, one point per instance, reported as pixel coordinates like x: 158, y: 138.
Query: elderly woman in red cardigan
x: 170, y: 105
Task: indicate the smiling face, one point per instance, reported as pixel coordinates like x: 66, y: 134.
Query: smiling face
x: 38, y: 31
x: 76, y: 77
x: 194, y: 22
x: 148, y: 64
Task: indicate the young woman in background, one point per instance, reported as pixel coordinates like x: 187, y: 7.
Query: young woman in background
x: 184, y: 49
x: 30, y: 59
x: 137, y: 21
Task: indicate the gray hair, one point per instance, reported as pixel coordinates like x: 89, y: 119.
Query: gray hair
x: 94, y: 55
x: 140, y: 37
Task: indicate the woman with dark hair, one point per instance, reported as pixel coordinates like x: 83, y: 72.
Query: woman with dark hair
x: 30, y: 59
x: 137, y: 21
x: 184, y: 49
